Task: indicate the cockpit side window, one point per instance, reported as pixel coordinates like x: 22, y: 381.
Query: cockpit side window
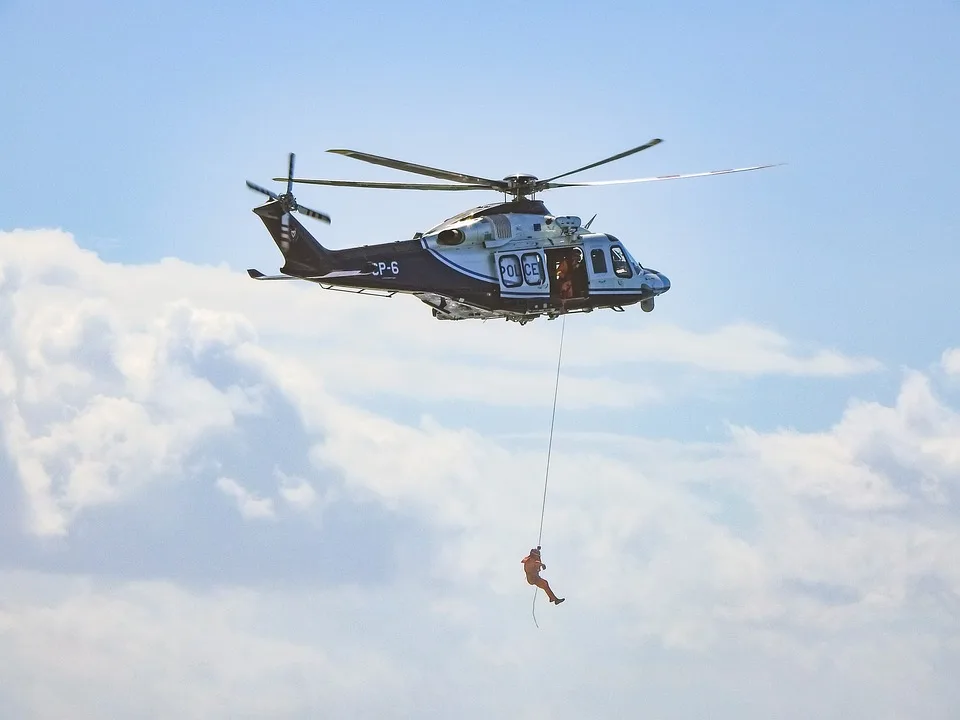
x: 621, y: 267
x: 599, y: 261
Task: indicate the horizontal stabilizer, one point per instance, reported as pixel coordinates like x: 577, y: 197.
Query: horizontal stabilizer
x: 257, y: 275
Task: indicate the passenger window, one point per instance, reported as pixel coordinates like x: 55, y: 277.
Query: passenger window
x: 510, y: 271
x: 533, y: 271
x: 620, y: 265
x: 599, y: 261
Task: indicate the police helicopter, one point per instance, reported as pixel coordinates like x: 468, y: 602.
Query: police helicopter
x: 513, y: 259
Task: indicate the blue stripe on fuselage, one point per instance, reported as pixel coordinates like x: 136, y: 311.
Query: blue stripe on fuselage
x: 459, y: 268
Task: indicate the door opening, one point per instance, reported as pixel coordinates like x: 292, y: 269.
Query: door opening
x: 568, y: 273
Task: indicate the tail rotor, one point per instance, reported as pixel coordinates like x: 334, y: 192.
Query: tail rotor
x: 287, y: 201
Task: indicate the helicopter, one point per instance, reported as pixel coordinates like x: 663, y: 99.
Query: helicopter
x: 512, y: 260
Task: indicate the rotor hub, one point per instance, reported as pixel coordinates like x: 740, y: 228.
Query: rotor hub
x: 520, y: 184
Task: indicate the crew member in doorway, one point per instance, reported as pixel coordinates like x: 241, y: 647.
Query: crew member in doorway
x: 577, y: 272
x: 563, y: 277
x: 532, y: 566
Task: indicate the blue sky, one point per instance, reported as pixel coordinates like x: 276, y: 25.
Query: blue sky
x: 775, y: 436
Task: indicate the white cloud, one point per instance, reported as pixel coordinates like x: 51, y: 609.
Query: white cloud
x: 152, y: 649
x: 822, y: 563
x: 783, y: 528
x: 739, y: 348
x: 951, y: 361
x: 250, y: 505
x: 101, y: 404
x: 299, y: 493
x: 505, y: 384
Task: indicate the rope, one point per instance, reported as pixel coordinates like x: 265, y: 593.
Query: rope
x: 546, y: 478
x: 553, y: 417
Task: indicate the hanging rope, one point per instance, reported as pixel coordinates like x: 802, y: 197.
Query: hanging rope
x: 546, y: 478
x: 553, y: 418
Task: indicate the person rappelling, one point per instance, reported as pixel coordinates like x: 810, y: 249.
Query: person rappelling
x: 532, y: 565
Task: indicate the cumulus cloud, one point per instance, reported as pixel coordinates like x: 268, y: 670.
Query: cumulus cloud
x: 820, y: 562
x: 739, y: 348
x: 297, y: 491
x: 951, y: 361
x: 98, y: 403
x: 153, y: 649
x: 250, y: 505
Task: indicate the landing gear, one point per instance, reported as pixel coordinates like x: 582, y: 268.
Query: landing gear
x: 646, y: 305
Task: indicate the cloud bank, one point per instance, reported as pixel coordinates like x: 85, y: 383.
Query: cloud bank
x: 227, y: 499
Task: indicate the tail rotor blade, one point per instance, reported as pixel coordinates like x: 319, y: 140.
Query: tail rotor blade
x: 290, y: 176
x: 257, y: 188
x: 314, y: 214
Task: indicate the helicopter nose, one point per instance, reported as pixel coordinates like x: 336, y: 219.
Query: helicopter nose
x: 656, y: 282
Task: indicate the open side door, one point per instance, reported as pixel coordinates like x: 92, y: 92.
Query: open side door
x: 568, y: 273
x: 523, y: 273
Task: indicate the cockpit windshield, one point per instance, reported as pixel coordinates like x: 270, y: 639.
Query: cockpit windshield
x: 626, y: 258
x: 621, y: 266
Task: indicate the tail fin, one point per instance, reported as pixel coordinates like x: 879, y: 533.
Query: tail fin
x: 302, y: 254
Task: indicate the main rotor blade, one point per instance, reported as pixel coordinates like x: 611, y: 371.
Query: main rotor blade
x: 322, y: 217
x: 388, y: 185
x: 420, y: 169
x: 661, y: 177
x: 655, y: 141
x: 259, y: 189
